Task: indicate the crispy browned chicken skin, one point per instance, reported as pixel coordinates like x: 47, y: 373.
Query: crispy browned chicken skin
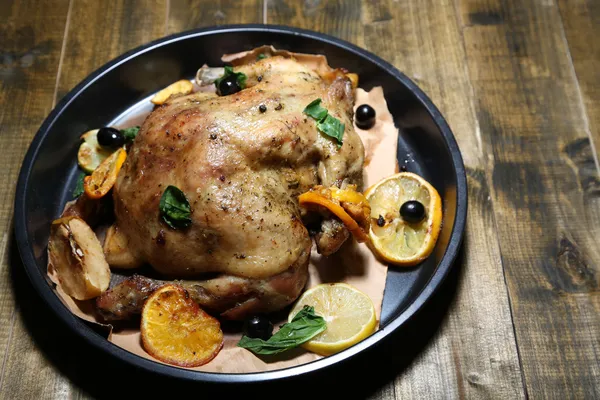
x: 242, y: 170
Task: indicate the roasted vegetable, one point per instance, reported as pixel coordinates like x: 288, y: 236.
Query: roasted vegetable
x: 77, y: 259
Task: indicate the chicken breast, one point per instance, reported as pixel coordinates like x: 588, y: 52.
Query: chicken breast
x: 241, y: 161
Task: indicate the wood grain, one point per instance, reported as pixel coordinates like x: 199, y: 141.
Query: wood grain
x: 518, y: 83
x: 30, y: 41
x: 189, y: 14
x: 581, y: 22
x: 96, y: 32
x: 533, y: 122
x: 341, y: 18
x: 99, y: 31
x: 474, y: 354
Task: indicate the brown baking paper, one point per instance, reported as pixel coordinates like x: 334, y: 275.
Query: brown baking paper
x: 353, y: 263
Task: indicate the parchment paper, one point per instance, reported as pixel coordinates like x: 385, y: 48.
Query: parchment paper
x: 353, y: 263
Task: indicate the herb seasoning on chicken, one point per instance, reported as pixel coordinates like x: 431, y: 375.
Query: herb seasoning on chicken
x: 268, y: 159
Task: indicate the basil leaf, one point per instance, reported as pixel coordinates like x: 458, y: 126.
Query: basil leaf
x: 175, y: 208
x: 326, y: 123
x: 130, y: 133
x: 304, y: 326
x: 240, y: 77
x: 315, y: 110
x: 262, y: 56
x: 78, y: 191
x: 332, y: 126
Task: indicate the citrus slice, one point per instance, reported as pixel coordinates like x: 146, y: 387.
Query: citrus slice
x: 349, y: 313
x: 176, y: 331
x: 180, y: 87
x: 392, y: 237
x: 90, y: 153
x: 104, y: 177
x: 350, y: 206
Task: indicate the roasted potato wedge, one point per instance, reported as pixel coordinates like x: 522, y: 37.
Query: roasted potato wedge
x: 76, y: 255
x: 116, y: 250
x: 180, y: 87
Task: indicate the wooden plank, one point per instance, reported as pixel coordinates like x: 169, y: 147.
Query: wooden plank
x: 547, y: 213
x: 427, y: 46
x: 102, y: 30
x: 95, y: 33
x: 30, y: 47
x: 581, y: 21
x: 340, y: 18
x: 430, y: 51
x: 190, y: 14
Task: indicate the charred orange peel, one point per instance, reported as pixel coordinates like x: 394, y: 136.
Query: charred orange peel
x: 348, y: 195
x: 104, y: 177
x: 339, y: 202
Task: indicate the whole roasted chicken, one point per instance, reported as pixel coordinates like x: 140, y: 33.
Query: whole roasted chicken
x: 241, y: 160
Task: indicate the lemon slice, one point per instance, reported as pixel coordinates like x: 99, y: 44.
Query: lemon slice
x: 393, y: 238
x: 349, y: 313
x: 91, y: 154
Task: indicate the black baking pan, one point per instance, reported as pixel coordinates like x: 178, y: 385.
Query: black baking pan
x: 426, y: 146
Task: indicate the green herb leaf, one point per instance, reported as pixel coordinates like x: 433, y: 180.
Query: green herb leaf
x: 332, y: 126
x: 262, y: 56
x: 175, y: 208
x: 78, y: 191
x: 315, y: 110
x: 240, y: 77
x: 326, y: 123
x: 130, y: 133
x: 304, y: 326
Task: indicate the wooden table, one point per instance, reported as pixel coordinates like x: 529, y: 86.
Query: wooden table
x: 519, y: 83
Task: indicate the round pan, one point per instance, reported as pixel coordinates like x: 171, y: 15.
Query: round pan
x: 426, y: 146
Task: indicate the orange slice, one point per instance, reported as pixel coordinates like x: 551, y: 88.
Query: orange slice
x: 175, y: 330
x: 104, y: 177
x: 391, y: 237
x: 339, y: 202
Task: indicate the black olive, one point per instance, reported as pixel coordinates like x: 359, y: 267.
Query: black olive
x: 365, y: 116
x: 228, y: 86
x: 110, y: 137
x: 262, y: 108
x: 258, y: 326
x: 412, y: 211
x: 380, y: 221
